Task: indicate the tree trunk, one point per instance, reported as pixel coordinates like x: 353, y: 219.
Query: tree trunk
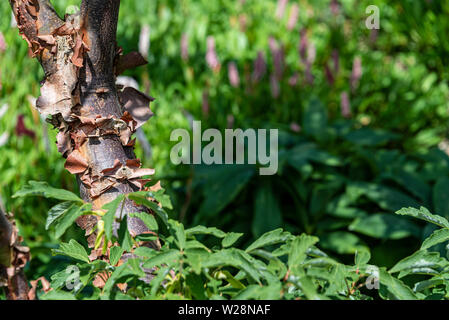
x: 79, y: 96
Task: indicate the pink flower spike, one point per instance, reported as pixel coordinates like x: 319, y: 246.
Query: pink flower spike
x: 233, y: 74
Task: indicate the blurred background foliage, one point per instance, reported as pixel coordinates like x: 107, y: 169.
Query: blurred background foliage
x: 362, y: 117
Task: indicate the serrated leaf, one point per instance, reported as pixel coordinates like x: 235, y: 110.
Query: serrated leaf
x: 109, y: 217
x: 37, y: 188
x: 385, y: 226
x: 177, y: 229
x: 168, y: 257
x: 420, y: 259
x: 57, y: 211
x: 230, y: 239
x: 270, y: 238
x: 425, y: 215
x: 147, y: 219
x: 207, y: 231
x: 438, y: 236
x: 141, y: 199
x: 298, y: 250
x: 72, y: 249
x: 395, y: 286
x: 115, y: 253
x: 68, y: 218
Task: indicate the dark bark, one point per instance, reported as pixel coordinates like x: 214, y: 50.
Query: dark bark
x: 13, y: 259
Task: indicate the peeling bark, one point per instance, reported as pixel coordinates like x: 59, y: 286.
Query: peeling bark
x: 13, y: 258
x: 79, y: 96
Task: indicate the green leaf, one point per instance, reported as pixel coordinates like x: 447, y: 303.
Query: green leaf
x: 270, y: 238
x: 115, y: 253
x: 224, y: 185
x: 196, y: 285
x: 147, y: 219
x: 141, y: 199
x: 36, y: 188
x: 385, y: 226
x: 68, y: 218
x: 385, y: 197
x: 168, y: 257
x: 204, y: 230
x: 230, y: 239
x: 341, y: 242
x: 57, y: 295
x: 438, y: 236
x: 56, y: 212
x: 267, y: 212
x: 236, y: 258
x: 72, y: 249
x: 420, y: 259
x: 362, y: 257
x: 178, y: 232
x: 425, y: 215
x: 428, y: 284
x: 124, y: 238
x: 109, y: 217
x: 298, y: 250
x: 395, y: 286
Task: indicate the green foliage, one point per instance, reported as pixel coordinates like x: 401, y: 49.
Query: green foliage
x: 204, y: 263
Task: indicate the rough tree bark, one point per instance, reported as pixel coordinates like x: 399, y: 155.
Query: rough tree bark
x: 95, y: 119
x: 13, y: 258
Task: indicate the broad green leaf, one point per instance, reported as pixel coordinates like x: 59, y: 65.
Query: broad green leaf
x: 236, y: 258
x: 298, y: 250
x: 438, y: 236
x: 425, y: 215
x: 109, y: 217
x: 341, y: 242
x: 57, y: 295
x: 224, y: 186
x: 56, y: 212
x: 142, y: 200
x: 427, y: 284
x: 204, y: 230
x: 395, y: 286
x: 36, y: 188
x: 196, y: 285
x: 68, y: 218
x: 167, y: 257
x: 177, y: 229
x: 230, y: 239
x: 124, y: 238
x: 270, y: 238
x: 267, y: 212
x: 115, y: 253
x: 362, y: 257
x: 385, y: 197
x: 72, y: 249
x: 147, y: 219
x: 420, y: 259
x: 145, y: 252
x: 385, y: 226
